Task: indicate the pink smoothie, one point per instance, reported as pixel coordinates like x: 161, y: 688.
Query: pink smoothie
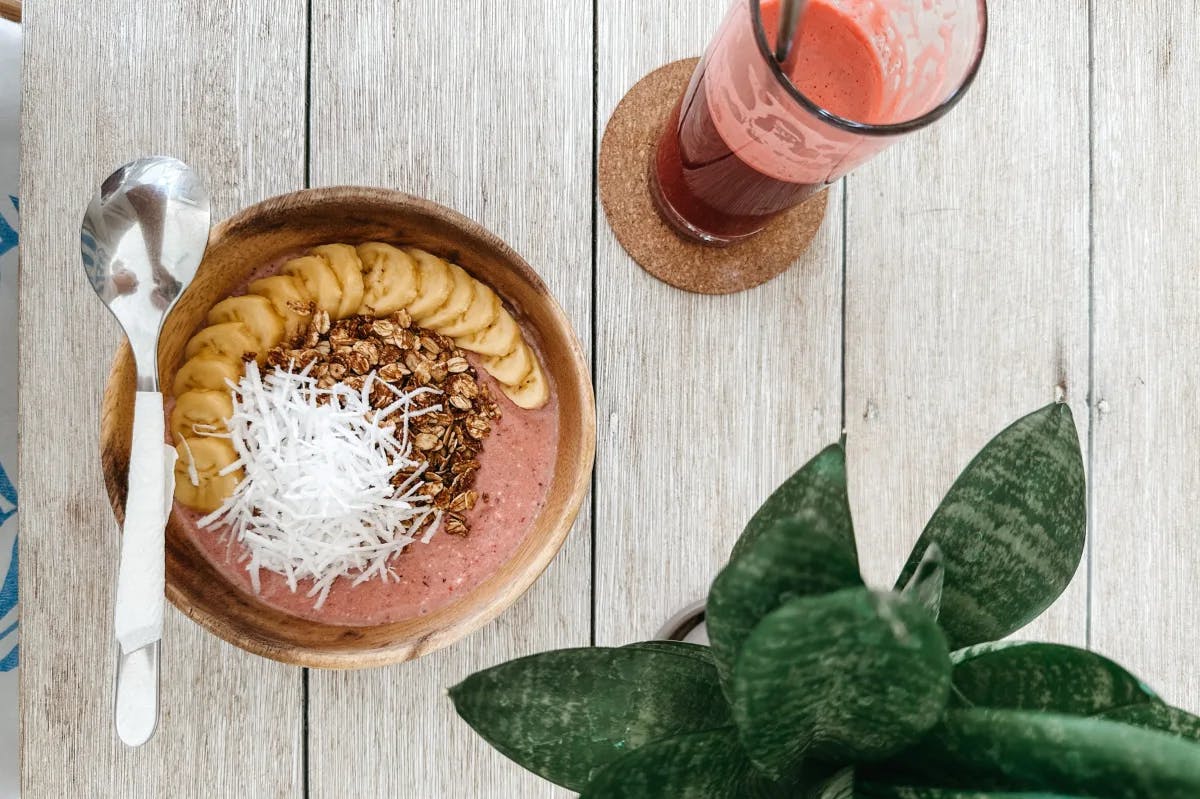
x: 736, y: 150
x: 740, y: 148
x: 515, y: 469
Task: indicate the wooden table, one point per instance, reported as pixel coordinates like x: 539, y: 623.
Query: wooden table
x: 1038, y: 244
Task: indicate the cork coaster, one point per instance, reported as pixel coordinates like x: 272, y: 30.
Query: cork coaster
x: 624, y: 173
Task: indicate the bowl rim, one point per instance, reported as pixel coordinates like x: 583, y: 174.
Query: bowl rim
x: 506, y: 594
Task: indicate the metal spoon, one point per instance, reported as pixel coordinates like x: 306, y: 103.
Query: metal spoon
x: 143, y: 236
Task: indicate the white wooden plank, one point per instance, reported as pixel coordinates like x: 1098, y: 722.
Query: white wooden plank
x: 1146, y: 478
x: 705, y: 403
x: 487, y: 110
x: 966, y: 297
x: 104, y: 85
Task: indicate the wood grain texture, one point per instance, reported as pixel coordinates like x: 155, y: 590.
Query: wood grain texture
x: 101, y: 89
x: 966, y: 285
x: 1146, y: 477
x: 966, y: 305
x: 489, y: 112
x: 705, y: 404
x: 10, y: 10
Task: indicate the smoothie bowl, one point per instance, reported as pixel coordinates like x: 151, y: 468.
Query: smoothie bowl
x: 384, y: 427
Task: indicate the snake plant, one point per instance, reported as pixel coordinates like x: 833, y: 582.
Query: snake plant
x: 818, y: 687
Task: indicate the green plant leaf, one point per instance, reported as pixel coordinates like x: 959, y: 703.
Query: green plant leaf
x: 1050, y: 677
x: 925, y: 585
x: 679, y: 648
x: 802, y: 555
x: 1011, y: 529
x: 564, y: 714
x: 819, y: 486
x: 876, y: 791
x: 1018, y: 750
x: 1157, y: 717
x: 799, y: 543
x: 840, y: 785
x: 706, y: 765
x: 845, y: 677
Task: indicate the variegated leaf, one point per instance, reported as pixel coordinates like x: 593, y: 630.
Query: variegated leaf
x: 818, y: 486
x: 1052, y: 677
x: 799, y: 543
x: 1018, y: 750
x: 1158, y: 717
x: 844, y: 677
x: 803, y: 555
x: 1011, y: 529
x: 564, y: 714
x: 875, y: 791
x: 680, y: 648
x: 707, y: 765
x: 925, y: 585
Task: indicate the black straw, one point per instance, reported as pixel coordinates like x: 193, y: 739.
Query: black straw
x: 789, y: 24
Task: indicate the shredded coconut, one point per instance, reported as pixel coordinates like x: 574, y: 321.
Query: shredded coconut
x: 316, y: 500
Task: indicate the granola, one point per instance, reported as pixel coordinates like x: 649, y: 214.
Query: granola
x: 408, y: 357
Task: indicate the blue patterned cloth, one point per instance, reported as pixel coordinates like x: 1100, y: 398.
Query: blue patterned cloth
x: 10, y: 66
x: 8, y: 589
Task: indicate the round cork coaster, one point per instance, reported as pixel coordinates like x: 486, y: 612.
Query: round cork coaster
x: 624, y: 174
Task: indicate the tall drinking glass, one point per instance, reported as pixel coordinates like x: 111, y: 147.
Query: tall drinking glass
x: 752, y: 137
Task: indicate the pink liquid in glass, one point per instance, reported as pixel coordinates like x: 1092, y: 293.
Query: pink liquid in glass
x: 741, y: 146
x: 728, y: 183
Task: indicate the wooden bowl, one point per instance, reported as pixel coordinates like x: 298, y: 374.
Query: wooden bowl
x: 294, y: 222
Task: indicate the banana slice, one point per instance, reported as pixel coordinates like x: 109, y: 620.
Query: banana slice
x: 389, y: 279
x: 199, y: 412
x: 434, y: 284
x: 290, y: 300
x: 457, y: 303
x: 533, y: 391
x: 231, y: 340
x: 202, y: 459
x: 346, y: 266
x: 481, y: 314
x: 319, y: 281
x: 511, y: 369
x: 254, y: 312
x: 207, y: 373
x: 498, y: 340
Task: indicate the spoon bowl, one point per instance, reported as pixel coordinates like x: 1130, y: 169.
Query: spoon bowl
x: 142, y: 239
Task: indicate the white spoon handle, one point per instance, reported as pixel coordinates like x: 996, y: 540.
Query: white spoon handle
x: 140, y: 581
x: 141, y: 578
x: 135, y: 705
